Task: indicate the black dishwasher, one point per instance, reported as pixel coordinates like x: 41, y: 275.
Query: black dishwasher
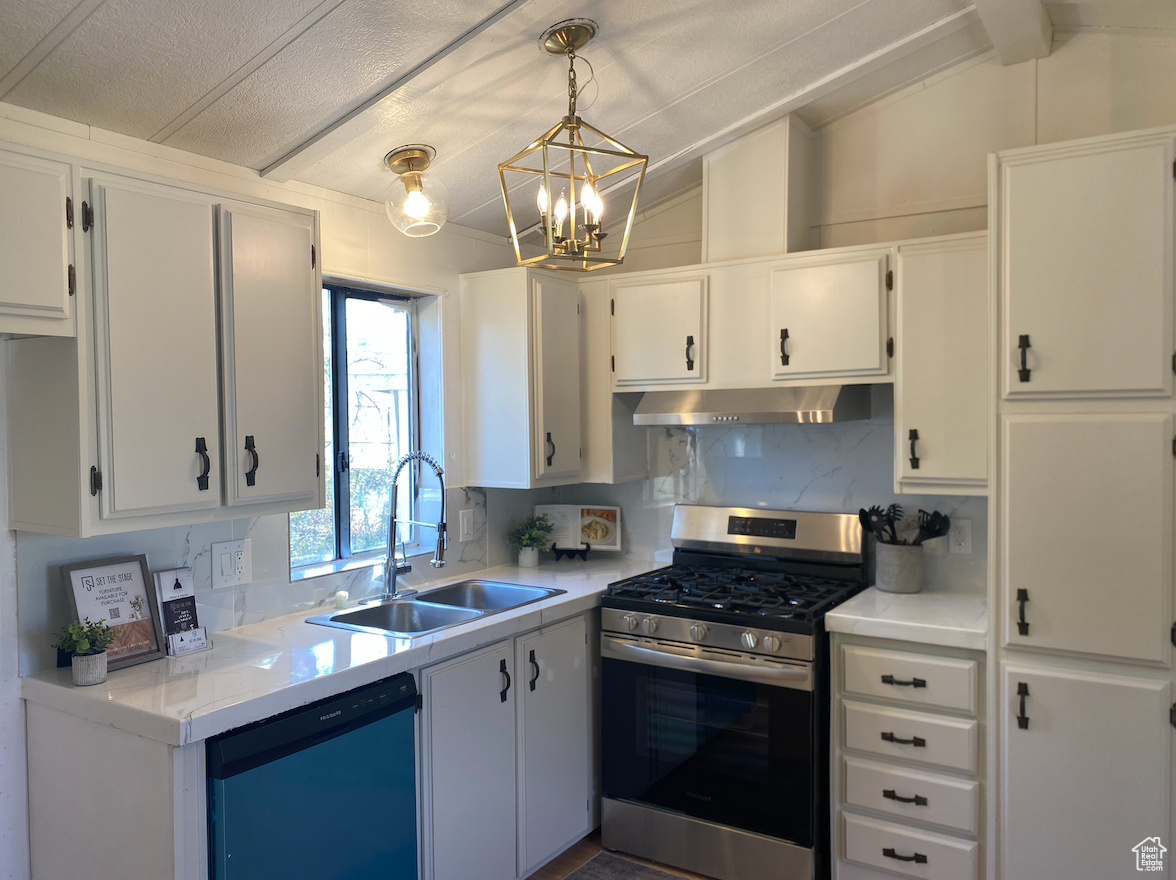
x: 327, y: 791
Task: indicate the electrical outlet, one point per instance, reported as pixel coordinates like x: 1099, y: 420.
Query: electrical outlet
x: 232, y: 563
x: 465, y: 525
x: 959, y: 537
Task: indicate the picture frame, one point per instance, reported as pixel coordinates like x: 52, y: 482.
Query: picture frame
x: 120, y: 591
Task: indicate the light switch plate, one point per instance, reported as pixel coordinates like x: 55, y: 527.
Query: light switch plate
x: 465, y: 529
x: 232, y: 563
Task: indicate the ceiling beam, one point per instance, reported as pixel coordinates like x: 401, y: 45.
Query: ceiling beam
x: 347, y: 127
x: 1020, y: 29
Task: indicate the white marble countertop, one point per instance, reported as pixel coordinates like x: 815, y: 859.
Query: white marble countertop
x: 257, y: 671
x: 951, y: 619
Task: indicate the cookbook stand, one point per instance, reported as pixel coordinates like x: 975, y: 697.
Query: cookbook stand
x: 561, y: 552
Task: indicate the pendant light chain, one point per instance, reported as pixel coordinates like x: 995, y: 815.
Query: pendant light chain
x: 571, y: 83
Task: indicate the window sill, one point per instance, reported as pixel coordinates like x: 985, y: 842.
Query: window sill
x: 322, y: 569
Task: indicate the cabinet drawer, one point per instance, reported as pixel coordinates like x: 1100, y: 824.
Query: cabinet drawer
x: 913, y: 794
x: 907, y: 851
x: 915, y: 736
x: 921, y: 679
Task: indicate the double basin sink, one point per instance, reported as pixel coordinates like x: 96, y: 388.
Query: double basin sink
x: 436, y: 609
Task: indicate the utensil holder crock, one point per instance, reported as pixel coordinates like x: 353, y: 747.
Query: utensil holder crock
x: 898, y: 568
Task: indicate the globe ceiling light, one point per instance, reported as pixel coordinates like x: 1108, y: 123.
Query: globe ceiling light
x: 417, y: 205
x: 558, y: 182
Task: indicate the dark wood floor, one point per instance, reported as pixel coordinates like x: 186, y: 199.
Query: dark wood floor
x: 579, y: 853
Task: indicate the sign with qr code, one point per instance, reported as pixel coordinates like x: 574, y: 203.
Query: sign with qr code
x: 120, y: 592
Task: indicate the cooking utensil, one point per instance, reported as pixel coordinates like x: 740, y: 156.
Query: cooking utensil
x: 877, y: 518
x: 894, y: 513
x: 864, y: 517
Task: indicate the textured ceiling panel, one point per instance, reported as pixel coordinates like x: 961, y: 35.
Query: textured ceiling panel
x: 660, y: 90
x: 1119, y: 14
x: 24, y: 24
x: 134, y: 65
x: 319, y: 77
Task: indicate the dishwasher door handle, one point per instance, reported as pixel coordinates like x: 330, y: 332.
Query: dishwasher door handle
x: 797, y: 677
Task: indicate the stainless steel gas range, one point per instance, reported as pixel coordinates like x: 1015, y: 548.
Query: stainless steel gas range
x: 715, y: 693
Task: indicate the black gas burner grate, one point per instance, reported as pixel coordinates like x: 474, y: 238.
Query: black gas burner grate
x: 735, y: 590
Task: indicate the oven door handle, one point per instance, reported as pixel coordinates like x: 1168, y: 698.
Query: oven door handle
x: 795, y: 677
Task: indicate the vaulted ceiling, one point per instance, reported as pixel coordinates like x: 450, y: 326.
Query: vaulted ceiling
x: 320, y: 90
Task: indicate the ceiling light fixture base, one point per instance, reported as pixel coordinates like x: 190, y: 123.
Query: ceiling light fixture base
x: 572, y: 34
x: 410, y: 157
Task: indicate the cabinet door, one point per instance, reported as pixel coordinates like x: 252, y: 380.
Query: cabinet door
x: 469, y: 766
x: 555, y: 313
x: 270, y: 313
x: 554, y: 756
x: 1087, y: 533
x: 941, y: 368
x: 659, y: 331
x: 1086, y: 263
x: 35, y: 245
x: 1087, y: 780
x: 155, y: 329
x: 828, y: 318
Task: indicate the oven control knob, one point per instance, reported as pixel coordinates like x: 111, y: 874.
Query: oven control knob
x: 631, y: 622
x: 749, y: 640
x: 649, y: 625
x: 771, y: 644
x: 697, y: 632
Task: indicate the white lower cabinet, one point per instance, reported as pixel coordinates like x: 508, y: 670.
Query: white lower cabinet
x: 907, y: 761
x: 506, y: 755
x: 1085, y: 770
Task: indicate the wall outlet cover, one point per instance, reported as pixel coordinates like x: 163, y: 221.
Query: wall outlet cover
x: 959, y: 536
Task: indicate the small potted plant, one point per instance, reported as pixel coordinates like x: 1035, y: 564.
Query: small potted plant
x: 87, y: 642
x: 529, y: 537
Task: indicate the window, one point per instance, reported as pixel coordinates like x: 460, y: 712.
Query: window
x: 372, y: 420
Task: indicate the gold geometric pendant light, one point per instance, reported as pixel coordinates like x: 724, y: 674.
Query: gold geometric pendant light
x: 558, y: 182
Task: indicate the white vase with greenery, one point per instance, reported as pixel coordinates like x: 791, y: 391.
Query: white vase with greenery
x: 529, y: 537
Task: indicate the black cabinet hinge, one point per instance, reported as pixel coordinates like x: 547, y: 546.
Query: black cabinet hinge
x: 72, y: 277
x: 613, y: 358
x: 1174, y: 169
x: 312, y: 257
x: 68, y: 213
x: 890, y: 279
x: 612, y: 309
x: 95, y: 480
x: 1172, y: 635
x: 1174, y: 446
x: 890, y: 347
x: 87, y: 217
x: 1172, y: 715
x: 1174, y: 362
x: 318, y: 465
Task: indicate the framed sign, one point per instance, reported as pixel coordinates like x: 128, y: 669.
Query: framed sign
x: 122, y: 592
x: 578, y: 526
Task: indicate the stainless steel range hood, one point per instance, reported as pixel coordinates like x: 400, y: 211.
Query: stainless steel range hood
x: 755, y: 406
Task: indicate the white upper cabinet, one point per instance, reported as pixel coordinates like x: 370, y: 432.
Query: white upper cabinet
x: 828, y: 317
x: 941, y: 367
x: 659, y: 330
x: 155, y: 339
x: 36, y: 249
x: 1086, y: 523
x: 271, y: 357
x: 520, y: 362
x: 1086, y: 268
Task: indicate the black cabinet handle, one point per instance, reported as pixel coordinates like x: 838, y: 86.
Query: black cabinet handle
x: 1023, y: 344
x: 534, y: 670
x: 913, y: 683
x: 551, y: 443
x: 1022, y: 718
x: 784, y: 347
x: 917, y: 858
x: 689, y: 358
x: 505, y: 687
x: 914, y: 436
x: 918, y: 800
x: 917, y: 741
x: 205, y: 465
x: 1022, y: 624
x: 251, y: 448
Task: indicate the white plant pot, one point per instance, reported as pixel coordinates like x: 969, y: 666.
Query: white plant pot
x: 89, y: 669
x: 529, y: 557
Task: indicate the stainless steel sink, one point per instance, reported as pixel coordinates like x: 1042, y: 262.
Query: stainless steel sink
x: 407, y: 618
x: 487, y: 596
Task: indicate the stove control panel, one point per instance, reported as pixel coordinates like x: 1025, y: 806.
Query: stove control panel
x: 667, y: 628
x: 755, y: 527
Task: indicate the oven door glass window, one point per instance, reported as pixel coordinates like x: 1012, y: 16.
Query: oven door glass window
x: 717, y: 749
